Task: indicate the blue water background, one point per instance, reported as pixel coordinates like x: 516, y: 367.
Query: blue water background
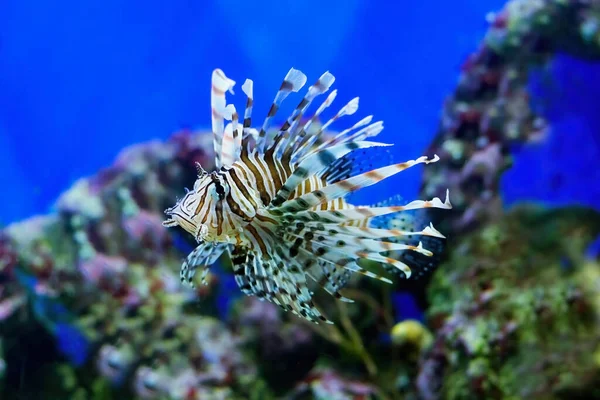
x: 81, y: 80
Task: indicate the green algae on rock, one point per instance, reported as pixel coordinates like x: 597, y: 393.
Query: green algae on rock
x: 513, y: 317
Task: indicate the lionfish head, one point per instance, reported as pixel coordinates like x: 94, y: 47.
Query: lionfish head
x: 182, y: 214
x: 185, y: 212
x: 195, y: 212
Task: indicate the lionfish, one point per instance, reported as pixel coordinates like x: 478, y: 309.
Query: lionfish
x: 276, y: 203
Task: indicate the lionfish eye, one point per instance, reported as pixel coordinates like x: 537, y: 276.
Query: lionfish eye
x: 220, y: 191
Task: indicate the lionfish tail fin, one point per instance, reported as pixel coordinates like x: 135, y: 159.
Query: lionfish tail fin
x: 416, y: 231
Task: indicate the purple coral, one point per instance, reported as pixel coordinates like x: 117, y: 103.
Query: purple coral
x: 489, y: 113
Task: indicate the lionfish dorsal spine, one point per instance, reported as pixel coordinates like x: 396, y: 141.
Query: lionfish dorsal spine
x: 289, y: 128
x: 293, y: 82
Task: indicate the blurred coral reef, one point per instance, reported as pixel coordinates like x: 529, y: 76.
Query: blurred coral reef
x: 91, y: 296
x: 515, y: 300
x: 490, y: 115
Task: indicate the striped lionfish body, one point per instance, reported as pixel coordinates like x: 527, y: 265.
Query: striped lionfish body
x: 276, y: 203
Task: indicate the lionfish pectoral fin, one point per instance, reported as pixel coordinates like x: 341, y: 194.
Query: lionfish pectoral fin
x: 327, y: 236
x: 330, y: 278
x: 202, y: 257
x: 431, y: 231
x: 278, y: 278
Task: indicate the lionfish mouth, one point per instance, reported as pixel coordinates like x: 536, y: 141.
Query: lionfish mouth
x: 169, y: 222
